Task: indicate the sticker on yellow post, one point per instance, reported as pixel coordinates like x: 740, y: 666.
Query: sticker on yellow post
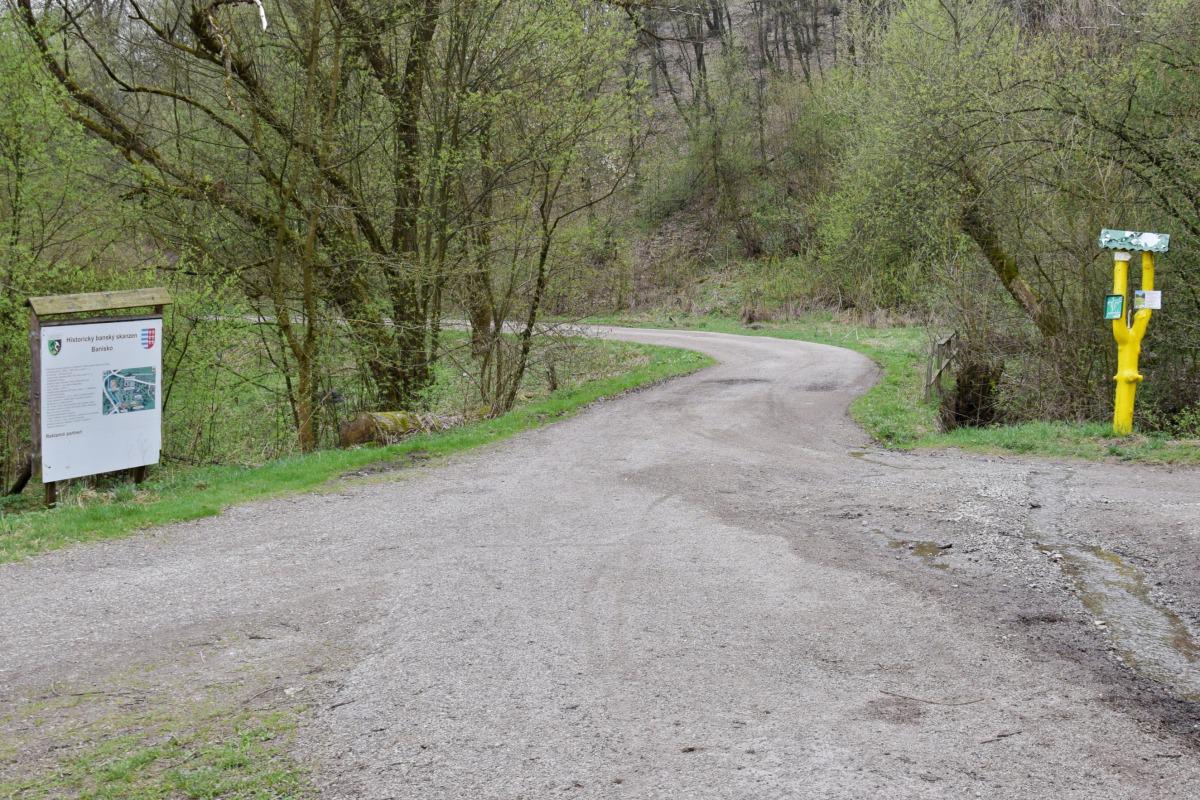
x: 1114, y: 306
x: 1147, y: 299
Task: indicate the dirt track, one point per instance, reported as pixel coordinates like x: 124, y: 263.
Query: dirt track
x: 714, y: 588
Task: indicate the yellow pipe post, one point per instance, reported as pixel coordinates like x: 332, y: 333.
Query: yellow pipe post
x: 1129, y: 339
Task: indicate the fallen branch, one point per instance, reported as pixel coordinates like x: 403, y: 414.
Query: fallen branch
x: 388, y: 427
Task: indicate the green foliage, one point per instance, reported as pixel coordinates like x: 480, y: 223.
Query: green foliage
x: 878, y: 222
x: 57, y: 233
x: 311, y: 204
x: 225, y: 395
x: 957, y: 166
x: 949, y: 160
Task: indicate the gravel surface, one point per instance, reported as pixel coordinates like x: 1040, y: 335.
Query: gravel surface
x: 713, y: 588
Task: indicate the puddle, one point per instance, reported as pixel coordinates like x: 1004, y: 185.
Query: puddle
x: 1152, y: 640
x: 734, y: 381
x: 928, y: 552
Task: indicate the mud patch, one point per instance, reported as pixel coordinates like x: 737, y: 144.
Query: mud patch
x: 384, y: 467
x: 1154, y: 641
x: 734, y: 381
x: 927, y: 551
x: 896, y: 710
x: 1039, y: 618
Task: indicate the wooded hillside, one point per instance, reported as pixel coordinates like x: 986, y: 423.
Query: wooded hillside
x: 949, y: 163
x: 322, y: 182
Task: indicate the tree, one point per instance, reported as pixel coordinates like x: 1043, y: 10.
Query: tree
x: 541, y: 130
x: 299, y: 143
x: 58, y: 228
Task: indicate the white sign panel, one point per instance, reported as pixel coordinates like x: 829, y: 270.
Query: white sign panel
x: 1150, y: 300
x: 101, y: 397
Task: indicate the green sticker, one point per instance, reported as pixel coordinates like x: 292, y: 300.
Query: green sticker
x: 1114, y: 306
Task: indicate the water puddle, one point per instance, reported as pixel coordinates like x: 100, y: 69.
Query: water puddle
x: 734, y: 381
x: 1152, y: 640
x: 928, y: 552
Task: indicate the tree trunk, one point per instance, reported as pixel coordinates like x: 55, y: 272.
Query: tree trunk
x: 979, y: 228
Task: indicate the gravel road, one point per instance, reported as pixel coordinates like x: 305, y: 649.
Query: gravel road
x: 712, y: 588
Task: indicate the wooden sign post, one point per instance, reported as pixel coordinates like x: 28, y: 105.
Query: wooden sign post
x: 96, y: 384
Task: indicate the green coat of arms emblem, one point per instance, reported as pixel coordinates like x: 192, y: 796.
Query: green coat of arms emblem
x: 54, y: 346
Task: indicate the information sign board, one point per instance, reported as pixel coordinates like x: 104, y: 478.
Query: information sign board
x: 1148, y: 299
x: 101, y: 396
x: 1114, y: 306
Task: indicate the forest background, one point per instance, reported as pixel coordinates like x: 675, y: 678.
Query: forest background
x: 323, y: 183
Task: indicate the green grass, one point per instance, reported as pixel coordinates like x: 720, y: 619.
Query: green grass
x: 896, y: 415
x: 1093, y: 441
x: 202, y: 492
x: 200, y: 755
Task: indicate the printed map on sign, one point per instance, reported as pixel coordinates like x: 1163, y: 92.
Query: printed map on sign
x: 127, y: 390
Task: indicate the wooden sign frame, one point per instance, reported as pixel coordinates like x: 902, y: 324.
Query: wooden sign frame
x: 75, y: 304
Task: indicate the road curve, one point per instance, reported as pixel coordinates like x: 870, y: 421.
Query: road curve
x: 707, y: 589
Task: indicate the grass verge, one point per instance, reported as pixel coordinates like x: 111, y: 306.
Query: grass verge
x: 1093, y: 441
x: 160, y: 755
x: 895, y: 413
x: 205, y: 491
